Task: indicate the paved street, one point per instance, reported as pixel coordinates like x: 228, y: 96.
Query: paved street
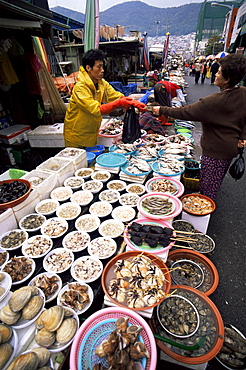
x: 227, y: 228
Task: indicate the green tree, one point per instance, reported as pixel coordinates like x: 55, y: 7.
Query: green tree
x: 214, y: 45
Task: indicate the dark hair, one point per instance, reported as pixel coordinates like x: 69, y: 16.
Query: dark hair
x: 233, y: 68
x: 91, y: 56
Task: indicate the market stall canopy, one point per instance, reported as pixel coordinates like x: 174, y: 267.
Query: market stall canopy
x: 22, y: 15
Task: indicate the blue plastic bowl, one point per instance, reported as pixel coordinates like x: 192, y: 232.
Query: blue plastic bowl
x: 90, y: 156
x: 97, y: 149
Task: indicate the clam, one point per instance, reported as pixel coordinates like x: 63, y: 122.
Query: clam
x: 5, y: 353
x: 53, y: 318
x: 45, y: 338
x: 43, y: 355
x: 1, y: 276
x: 2, y: 290
x: 32, y: 308
x: 20, y: 298
x: 26, y: 361
x: 39, y: 322
x: 5, y: 333
x: 66, y: 331
x: 7, y: 316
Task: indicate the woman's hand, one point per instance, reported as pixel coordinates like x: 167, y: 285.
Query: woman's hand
x: 156, y: 110
x: 241, y: 143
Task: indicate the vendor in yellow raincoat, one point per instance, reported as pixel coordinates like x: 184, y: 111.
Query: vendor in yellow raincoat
x: 86, y: 107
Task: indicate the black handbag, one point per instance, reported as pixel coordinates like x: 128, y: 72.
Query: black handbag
x: 131, y: 128
x: 237, y: 168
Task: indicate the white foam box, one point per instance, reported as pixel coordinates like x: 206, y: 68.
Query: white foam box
x: 76, y: 155
x: 26, y: 207
x: 64, y: 169
x: 107, y: 141
x: 14, y: 133
x: 7, y: 221
x: 47, y: 136
x: 49, y: 182
x: 200, y: 223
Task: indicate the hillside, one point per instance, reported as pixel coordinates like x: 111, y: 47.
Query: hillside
x: 138, y: 16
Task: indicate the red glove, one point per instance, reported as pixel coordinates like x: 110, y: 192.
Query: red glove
x: 139, y: 105
x: 123, y: 102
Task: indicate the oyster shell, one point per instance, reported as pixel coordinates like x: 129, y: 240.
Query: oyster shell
x: 43, y: 355
x: 53, y: 318
x: 66, y: 331
x: 5, y: 333
x: 45, y: 338
x: 7, y: 316
x: 23, y: 362
x: 20, y: 298
x: 32, y: 308
x: 5, y: 353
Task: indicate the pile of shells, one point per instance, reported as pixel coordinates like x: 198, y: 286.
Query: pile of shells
x: 76, y: 240
x: 86, y: 268
x: 19, y: 268
x: 37, y: 358
x: 202, y: 243
x: 128, y: 199
x: 47, y: 207
x: 58, y: 260
x: 69, y: 153
x: 93, y: 185
x: 84, y: 172
x: 3, y: 257
x: 55, y: 325
x: 186, y: 272
x: 208, y: 327
x: 62, y: 193
x: 25, y: 303
x: 48, y: 284
x: 110, y: 196
x: 197, y: 204
x: 54, y: 227
x: 87, y: 223
x: 6, y: 349
x: 82, y: 197
x: 76, y: 296
x: 32, y: 222
x: 102, y: 247
x: 12, y: 191
x: 13, y: 239
x: 37, y: 246
x: 163, y: 186
x: 101, y: 209
x: 74, y: 182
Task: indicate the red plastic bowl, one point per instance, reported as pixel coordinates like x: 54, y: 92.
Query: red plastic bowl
x: 18, y: 200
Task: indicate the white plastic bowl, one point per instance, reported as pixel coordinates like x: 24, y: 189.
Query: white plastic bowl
x: 76, y: 241
x: 84, y: 172
x: 33, y: 266
x: 37, y: 253
x: 42, y: 207
x: 102, y: 176
x: 86, y: 269
x: 138, y: 189
x: 75, y: 207
x: 82, y: 197
x: 111, y: 196
x: 118, y: 185
x: 62, y: 258
x: 48, y: 275
x: 111, y: 228
x: 6, y: 283
x: 124, y: 213
x: 48, y: 228
x: 102, y: 247
x: 62, y: 193
x: 93, y: 185
x: 129, y: 199
x: 66, y: 288
x: 87, y: 222
x: 35, y: 215
x: 74, y: 182
x: 15, y: 231
x: 101, y: 209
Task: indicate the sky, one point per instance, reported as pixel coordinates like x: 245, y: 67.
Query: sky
x: 79, y: 5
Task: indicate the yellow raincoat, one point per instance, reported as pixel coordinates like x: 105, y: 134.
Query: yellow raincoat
x: 83, y: 117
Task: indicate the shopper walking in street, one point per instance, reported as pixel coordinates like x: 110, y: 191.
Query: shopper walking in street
x: 92, y: 97
x: 203, y: 72
x: 223, y: 119
x: 214, y: 70
x: 198, y: 69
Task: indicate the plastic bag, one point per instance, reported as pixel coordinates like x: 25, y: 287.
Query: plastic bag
x: 131, y: 128
x: 237, y: 168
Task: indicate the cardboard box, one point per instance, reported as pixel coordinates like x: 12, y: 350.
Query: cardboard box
x: 14, y: 134
x: 47, y: 136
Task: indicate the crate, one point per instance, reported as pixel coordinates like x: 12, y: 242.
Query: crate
x: 46, y: 186
x: 47, y: 136
x: 65, y: 168
x: 7, y: 221
x: 27, y: 206
x: 76, y: 155
x: 190, y: 183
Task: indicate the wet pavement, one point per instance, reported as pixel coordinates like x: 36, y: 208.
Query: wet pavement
x: 227, y: 228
